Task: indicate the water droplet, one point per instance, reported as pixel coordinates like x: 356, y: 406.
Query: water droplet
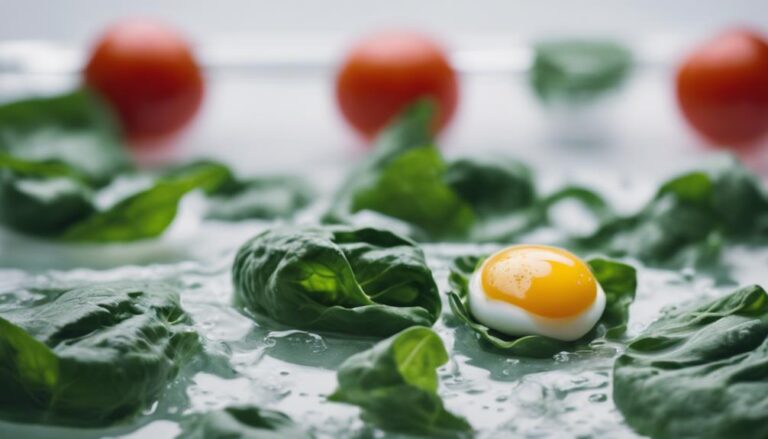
x: 598, y: 397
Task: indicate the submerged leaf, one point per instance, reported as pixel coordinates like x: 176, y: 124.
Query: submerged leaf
x: 57, y: 358
x: 700, y: 371
x: 395, y: 384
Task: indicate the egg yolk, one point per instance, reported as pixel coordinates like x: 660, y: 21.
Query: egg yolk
x: 543, y: 280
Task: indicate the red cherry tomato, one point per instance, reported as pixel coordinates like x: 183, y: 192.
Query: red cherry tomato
x: 149, y: 75
x: 385, y: 72
x: 722, y: 88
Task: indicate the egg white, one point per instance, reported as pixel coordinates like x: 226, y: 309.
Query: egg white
x: 513, y: 320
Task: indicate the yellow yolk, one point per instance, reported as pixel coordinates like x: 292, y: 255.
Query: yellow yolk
x: 543, y: 280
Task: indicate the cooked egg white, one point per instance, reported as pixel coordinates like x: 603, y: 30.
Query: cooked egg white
x: 536, y: 290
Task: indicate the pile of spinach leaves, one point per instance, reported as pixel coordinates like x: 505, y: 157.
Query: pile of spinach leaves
x: 618, y: 280
x: 699, y: 371
x: 359, y: 281
x: 94, y: 355
x: 395, y: 384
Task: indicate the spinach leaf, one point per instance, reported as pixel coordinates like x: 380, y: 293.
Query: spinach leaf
x: 410, y: 130
x: 575, y: 70
x: 92, y: 356
x: 404, y: 178
x: 491, y: 185
x: 395, y: 384
x: 360, y: 281
x: 44, y: 206
x: 619, y: 282
x: 73, y: 129
x: 508, y: 226
x: 474, y: 198
x: 242, y: 422
x: 699, y: 371
x: 689, y: 218
x: 418, y: 177
x: 148, y: 213
x: 259, y: 198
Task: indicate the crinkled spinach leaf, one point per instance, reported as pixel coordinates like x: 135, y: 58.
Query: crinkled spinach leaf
x: 242, y: 422
x: 699, y: 371
x: 94, y: 355
x: 395, y: 384
x: 360, y: 281
x: 618, y: 280
x: 74, y: 129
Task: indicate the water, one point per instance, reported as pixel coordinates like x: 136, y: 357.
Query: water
x: 294, y: 371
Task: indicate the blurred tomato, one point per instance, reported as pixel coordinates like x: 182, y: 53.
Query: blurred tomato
x: 385, y: 72
x: 149, y: 75
x: 722, y: 88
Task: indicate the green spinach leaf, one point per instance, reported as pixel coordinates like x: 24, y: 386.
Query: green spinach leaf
x: 92, y: 356
x: 43, y: 206
x: 259, y: 198
x: 73, y: 129
x: 360, y: 281
x: 404, y: 178
x: 474, y: 198
x: 619, y: 282
x: 148, y: 213
x: 395, y: 384
x: 418, y: 177
x: 699, y: 371
x: 491, y: 185
x: 689, y: 218
x: 242, y: 422
x: 576, y: 71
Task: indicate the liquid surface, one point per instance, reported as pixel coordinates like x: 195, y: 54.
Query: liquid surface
x: 294, y: 371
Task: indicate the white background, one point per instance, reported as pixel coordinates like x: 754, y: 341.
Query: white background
x: 270, y: 120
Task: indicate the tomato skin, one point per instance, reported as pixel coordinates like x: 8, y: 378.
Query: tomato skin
x: 148, y: 74
x: 722, y: 89
x: 385, y: 72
